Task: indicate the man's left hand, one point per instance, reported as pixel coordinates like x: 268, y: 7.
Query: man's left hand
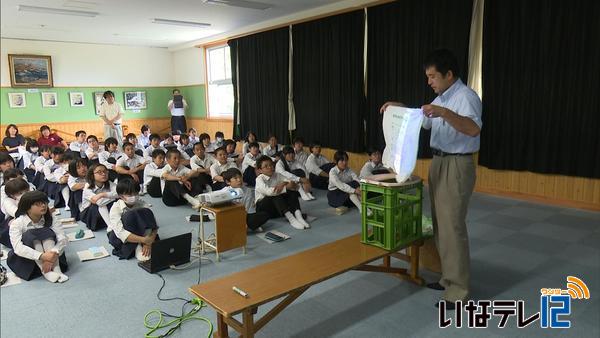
x: 433, y: 111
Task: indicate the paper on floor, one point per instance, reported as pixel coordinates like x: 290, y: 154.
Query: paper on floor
x: 92, y: 253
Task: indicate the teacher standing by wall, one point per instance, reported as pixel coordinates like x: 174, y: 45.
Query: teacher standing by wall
x: 177, y: 107
x: 111, y: 113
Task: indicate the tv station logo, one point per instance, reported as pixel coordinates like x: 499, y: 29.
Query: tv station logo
x: 555, y: 307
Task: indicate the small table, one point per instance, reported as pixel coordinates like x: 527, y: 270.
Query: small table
x: 230, y: 228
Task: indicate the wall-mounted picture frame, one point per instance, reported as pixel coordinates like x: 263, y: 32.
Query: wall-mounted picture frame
x: 98, y: 101
x: 135, y: 100
x: 76, y: 99
x: 17, y: 100
x: 30, y: 71
x: 49, y: 100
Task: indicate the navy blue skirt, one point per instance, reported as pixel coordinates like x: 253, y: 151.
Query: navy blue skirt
x: 337, y: 198
x: 136, y: 221
x: 4, y: 232
x: 91, y: 217
x: 75, y: 199
x: 59, y: 201
x: 25, y: 268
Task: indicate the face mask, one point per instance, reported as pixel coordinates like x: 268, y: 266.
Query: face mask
x: 219, y: 139
x: 130, y: 199
x: 34, y: 150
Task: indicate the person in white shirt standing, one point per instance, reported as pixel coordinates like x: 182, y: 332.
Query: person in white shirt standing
x: 112, y: 113
x: 177, y: 106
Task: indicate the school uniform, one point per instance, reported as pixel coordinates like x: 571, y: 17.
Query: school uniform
x: 78, y: 148
x: 109, y: 160
x: 254, y: 219
x: 75, y: 196
x: 188, y: 149
x: 93, y: 155
x: 174, y: 190
x: 341, y: 185
x: 216, y: 169
x: 148, y: 151
x: 215, y: 145
x: 249, y: 169
x: 144, y: 141
x: 39, y: 180
x: 194, y: 140
x: 51, y: 186
x: 153, y: 182
x: 126, y: 220
x: 61, y: 195
x: 246, y: 150
x: 90, y: 213
x: 274, y: 204
x: 127, y: 162
x: 9, y: 209
x: 204, y: 163
x: 28, y: 165
x: 370, y: 169
x: 22, y: 258
x: 294, y: 171
x: 271, y: 151
x: 301, y: 156
x: 315, y: 165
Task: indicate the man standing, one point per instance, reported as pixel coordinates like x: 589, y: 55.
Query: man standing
x: 177, y: 107
x: 111, y: 113
x: 454, y: 118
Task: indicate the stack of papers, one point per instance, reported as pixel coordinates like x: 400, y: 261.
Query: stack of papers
x: 92, y: 253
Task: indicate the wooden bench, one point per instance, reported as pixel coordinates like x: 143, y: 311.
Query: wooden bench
x: 290, y: 276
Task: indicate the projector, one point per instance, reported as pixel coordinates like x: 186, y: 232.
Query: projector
x: 221, y: 196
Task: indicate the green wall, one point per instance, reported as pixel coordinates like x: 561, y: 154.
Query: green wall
x: 157, y: 98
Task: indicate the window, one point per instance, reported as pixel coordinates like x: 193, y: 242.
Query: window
x: 220, y: 86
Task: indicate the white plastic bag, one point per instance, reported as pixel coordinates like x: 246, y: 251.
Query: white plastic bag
x: 401, y: 128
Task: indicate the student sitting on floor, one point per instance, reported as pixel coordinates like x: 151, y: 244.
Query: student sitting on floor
x: 80, y: 145
x: 138, y: 149
x: 153, y: 182
x: 132, y: 228
x: 39, y: 179
x: 230, y: 149
x: 55, y: 178
x: 13, y: 190
x: 98, y: 197
x: 185, y: 146
x: 154, y: 144
x: 276, y: 196
x: 254, y: 219
x: 109, y: 157
x: 77, y: 179
x: 181, y: 183
x: 294, y: 171
x: 219, y: 141
x: 130, y: 165
x: 93, y: 150
x: 301, y: 155
x: 217, y: 168
x: 167, y: 142
x: 318, y: 167
x: 193, y: 136
x: 38, y: 241
x: 29, y: 157
x: 250, y: 138
x: 249, y: 164
x: 144, y: 138
x: 6, y: 162
x: 62, y: 194
x: 344, y: 189
x: 201, y: 162
x: 373, y: 166
x: 272, y: 148
x: 205, y: 140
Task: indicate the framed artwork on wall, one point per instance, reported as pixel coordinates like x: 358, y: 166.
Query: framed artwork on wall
x: 135, y: 100
x: 30, y: 71
x: 17, y: 100
x: 49, y: 100
x: 98, y: 101
x: 76, y: 99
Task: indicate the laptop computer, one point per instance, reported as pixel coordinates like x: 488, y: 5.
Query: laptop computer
x: 167, y: 252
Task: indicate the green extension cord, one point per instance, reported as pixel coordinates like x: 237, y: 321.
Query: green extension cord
x: 178, y: 321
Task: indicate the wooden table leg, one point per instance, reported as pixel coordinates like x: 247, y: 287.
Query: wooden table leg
x: 248, y: 328
x: 222, y: 329
x: 386, y: 261
x: 414, y: 265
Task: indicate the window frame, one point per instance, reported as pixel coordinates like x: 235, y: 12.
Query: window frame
x: 207, y: 48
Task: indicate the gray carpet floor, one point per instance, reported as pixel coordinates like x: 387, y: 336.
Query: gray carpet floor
x: 516, y: 249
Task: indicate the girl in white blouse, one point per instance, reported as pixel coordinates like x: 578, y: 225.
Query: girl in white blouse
x: 38, y: 241
x: 98, y: 196
x: 344, y: 186
x: 77, y: 171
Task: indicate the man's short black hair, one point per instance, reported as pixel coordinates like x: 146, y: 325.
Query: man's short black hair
x: 443, y: 60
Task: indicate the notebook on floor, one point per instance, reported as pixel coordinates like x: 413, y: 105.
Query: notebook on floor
x: 167, y: 252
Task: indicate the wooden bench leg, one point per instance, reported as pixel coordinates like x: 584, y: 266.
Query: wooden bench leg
x: 414, y: 265
x: 248, y: 328
x: 222, y: 328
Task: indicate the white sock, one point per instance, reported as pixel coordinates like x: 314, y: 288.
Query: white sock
x: 356, y: 201
x: 192, y: 201
x: 311, y: 196
x: 300, y: 219
x: 303, y: 194
x: 51, y: 275
x: 65, y: 195
x: 103, y: 210
x: 293, y: 221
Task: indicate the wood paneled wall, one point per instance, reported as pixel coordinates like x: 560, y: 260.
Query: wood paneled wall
x: 567, y: 191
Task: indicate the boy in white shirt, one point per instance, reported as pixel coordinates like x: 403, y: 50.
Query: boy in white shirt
x: 109, y: 157
x: 201, y: 162
x: 301, y: 155
x: 295, y: 172
x: 249, y: 164
x: 344, y: 189
x: 254, y: 219
x: 217, y: 168
x: 374, y: 165
x: 80, y: 145
x: 153, y: 182
x: 318, y: 167
x: 144, y: 138
x: 93, y: 149
x: 130, y: 165
x: 272, y: 148
x: 276, y: 195
x: 181, y: 183
x: 154, y: 144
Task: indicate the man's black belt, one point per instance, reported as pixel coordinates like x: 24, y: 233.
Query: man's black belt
x: 438, y: 152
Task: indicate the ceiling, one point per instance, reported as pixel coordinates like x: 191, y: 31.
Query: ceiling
x: 129, y: 22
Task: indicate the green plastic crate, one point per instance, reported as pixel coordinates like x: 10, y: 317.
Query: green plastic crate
x: 395, y: 218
